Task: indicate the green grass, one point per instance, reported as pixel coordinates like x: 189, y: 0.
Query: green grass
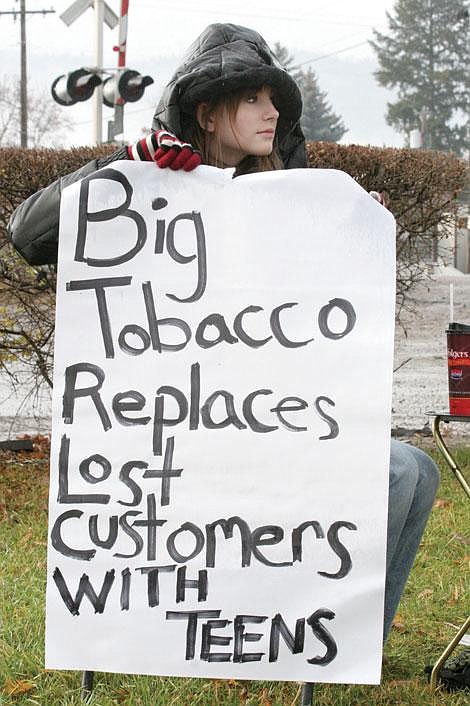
x: 434, y: 597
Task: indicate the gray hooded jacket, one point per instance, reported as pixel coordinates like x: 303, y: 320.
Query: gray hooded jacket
x: 223, y: 59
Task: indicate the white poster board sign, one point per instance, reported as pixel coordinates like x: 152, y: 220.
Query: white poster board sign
x: 221, y: 421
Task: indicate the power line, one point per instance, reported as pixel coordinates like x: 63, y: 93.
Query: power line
x: 319, y: 19
x: 339, y: 40
x: 333, y: 53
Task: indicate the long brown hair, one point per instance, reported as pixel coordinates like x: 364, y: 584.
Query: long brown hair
x: 198, y: 137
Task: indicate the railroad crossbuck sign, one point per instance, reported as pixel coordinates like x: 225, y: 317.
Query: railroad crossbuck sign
x: 221, y: 423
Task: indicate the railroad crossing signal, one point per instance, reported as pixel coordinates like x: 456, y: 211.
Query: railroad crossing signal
x: 114, y: 89
x: 75, y: 87
x: 126, y: 86
x: 78, y: 7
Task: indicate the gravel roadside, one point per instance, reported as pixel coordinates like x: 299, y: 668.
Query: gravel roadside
x: 420, y: 378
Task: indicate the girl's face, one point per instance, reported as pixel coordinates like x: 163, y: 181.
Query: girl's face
x: 250, y: 131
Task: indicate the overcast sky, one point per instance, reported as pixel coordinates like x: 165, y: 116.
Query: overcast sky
x: 332, y: 34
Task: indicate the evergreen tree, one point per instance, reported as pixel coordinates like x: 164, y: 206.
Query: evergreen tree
x: 426, y: 56
x: 318, y: 120
x: 287, y: 61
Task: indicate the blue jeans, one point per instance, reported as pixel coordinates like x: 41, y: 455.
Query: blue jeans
x: 413, y: 482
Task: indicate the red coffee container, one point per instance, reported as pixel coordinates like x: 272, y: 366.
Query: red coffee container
x: 458, y: 361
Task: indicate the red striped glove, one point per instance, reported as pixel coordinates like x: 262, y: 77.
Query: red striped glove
x: 165, y: 150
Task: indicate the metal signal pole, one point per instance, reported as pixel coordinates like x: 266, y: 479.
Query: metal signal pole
x: 116, y: 126
x: 103, y: 14
x: 98, y: 93
x: 23, y: 75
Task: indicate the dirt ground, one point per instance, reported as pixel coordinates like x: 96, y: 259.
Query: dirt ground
x: 420, y: 379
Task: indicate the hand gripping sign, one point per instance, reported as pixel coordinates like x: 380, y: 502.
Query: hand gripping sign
x: 221, y: 416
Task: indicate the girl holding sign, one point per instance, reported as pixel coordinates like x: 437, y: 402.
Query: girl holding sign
x: 231, y: 104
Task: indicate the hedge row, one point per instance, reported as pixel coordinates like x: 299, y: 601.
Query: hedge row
x: 420, y: 185
x: 412, y: 179
x: 421, y: 188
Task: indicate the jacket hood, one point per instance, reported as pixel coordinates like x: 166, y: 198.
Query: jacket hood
x: 224, y: 59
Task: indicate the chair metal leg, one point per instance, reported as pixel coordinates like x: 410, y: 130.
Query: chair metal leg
x: 451, y: 462
x: 436, y: 432
x: 448, y: 650
x: 87, y: 685
x: 306, y: 696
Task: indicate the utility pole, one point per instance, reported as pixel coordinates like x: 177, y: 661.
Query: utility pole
x: 424, y: 115
x: 23, y: 78
x: 23, y: 73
